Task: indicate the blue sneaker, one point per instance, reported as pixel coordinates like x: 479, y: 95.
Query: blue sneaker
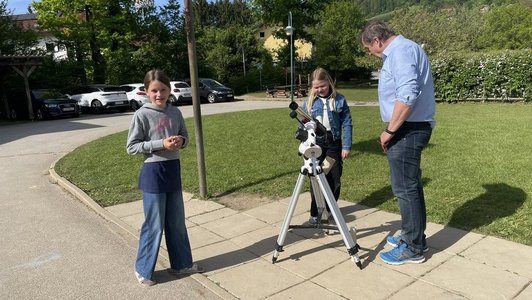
x: 313, y: 221
x: 401, y: 255
x: 395, y: 241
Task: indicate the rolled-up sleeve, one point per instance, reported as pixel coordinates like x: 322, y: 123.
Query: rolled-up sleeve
x: 406, y: 76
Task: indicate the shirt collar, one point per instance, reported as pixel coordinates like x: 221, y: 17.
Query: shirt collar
x: 398, y: 39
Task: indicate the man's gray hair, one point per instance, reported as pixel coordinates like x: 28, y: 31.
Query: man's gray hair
x: 376, y: 29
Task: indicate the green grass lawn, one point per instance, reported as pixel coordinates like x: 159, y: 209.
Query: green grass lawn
x: 476, y: 169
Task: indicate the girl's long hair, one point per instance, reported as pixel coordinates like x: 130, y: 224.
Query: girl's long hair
x: 321, y: 74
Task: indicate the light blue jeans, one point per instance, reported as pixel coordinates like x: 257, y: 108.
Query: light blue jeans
x: 165, y: 211
x: 404, y: 159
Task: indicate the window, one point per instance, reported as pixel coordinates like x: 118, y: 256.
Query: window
x: 50, y: 47
x: 262, y: 34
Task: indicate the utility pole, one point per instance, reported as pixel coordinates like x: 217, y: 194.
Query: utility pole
x: 193, y: 67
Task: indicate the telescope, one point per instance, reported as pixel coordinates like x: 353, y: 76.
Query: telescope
x: 302, y: 117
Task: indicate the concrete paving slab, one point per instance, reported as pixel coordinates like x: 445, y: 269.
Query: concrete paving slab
x: 372, y: 282
x: 526, y: 294
x: 475, y: 280
x: 352, y: 211
x: 506, y: 256
x: 263, y: 241
x: 306, y: 290
x: 221, y: 256
x: 270, y: 213
x: 126, y: 209
x: 200, y: 237
x: 255, y: 280
x: 134, y: 220
x: 308, y: 258
x: 372, y: 229
x: 450, y: 239
x: 234, y: 225
x: 213, y: 215
x: 196, y: 207
x: 422, y: 290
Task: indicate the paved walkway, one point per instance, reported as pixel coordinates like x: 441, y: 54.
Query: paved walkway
x: 236, y: 250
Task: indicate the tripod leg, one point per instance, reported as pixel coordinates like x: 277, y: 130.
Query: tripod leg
x: 352, y: 247
x: 288, y: 217
x: 318, y: 197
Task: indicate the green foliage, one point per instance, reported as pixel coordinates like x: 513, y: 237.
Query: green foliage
x: 225, y: 50
x: 339, y: 25
x: 379, y: 7
x: 304, y: 14
x: 440, y: 31
x: 496, y: 75
x: 507, y: 27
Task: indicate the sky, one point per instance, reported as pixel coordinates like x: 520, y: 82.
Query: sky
x: 21, y: 6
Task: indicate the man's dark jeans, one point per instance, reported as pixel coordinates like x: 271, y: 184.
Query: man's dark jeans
x: 404, y: 159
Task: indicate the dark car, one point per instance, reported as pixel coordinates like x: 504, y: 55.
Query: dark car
x: 212, y: 91
x: 52, y: 104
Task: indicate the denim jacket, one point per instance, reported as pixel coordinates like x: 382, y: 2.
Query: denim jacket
x: 340, y: 119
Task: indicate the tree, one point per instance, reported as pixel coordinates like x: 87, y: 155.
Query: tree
x: 439, y: 31
x: 507, y: 27
x: 14, y: 39
x: 335, y: 37
x: 304, y: 14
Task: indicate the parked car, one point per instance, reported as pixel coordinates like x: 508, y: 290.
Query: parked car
x: 48, y: 103
x: 136, y: 94
x: 180, y: 93
x: 100, y: 97
x: 212, y: 91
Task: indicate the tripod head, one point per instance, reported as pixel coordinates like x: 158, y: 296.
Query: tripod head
x: 307, y: 132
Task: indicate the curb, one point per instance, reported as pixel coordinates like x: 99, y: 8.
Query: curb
x: 91, y: 204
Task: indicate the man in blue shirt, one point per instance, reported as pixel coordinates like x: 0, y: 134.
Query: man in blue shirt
x: 407, y: 106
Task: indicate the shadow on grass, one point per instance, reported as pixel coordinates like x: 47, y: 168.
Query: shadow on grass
x: 498, y: 201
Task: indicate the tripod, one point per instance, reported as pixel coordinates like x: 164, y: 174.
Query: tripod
x: 322, y: 192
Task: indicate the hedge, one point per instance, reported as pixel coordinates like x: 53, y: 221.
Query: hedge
x: 493, y: 76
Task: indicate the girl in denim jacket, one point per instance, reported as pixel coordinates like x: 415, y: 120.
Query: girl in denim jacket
x: 329, y: 108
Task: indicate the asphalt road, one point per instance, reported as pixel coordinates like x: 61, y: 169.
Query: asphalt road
x: 54, y: 247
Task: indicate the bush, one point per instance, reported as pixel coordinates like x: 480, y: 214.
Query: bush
x: 502, y: 76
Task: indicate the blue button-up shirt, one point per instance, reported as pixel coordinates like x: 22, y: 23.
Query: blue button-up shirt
x: 406, y: 76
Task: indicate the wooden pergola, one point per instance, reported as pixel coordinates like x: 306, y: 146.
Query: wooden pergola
x: 24, y: 66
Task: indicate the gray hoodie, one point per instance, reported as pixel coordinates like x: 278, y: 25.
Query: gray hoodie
x: 150, y: 126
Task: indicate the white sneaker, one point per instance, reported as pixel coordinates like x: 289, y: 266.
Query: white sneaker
x: 144, y: 281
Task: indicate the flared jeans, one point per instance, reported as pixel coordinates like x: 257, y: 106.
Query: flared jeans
x: 164, y: 211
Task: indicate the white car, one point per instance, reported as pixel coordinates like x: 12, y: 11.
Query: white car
x: 181, y: 93
x: 136, y: 94
x: 100, y: 97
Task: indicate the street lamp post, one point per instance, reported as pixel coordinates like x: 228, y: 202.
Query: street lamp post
x: 289, y: 30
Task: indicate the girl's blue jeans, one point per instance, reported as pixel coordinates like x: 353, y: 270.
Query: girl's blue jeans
x: 404, y: 159
x: 166, y: 212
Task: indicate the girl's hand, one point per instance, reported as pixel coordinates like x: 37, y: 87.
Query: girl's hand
x: 345, y: 153
x: 173, y: 142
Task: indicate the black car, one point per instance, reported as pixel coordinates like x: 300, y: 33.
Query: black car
x: 212, y: 91
x: 52, y: 104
